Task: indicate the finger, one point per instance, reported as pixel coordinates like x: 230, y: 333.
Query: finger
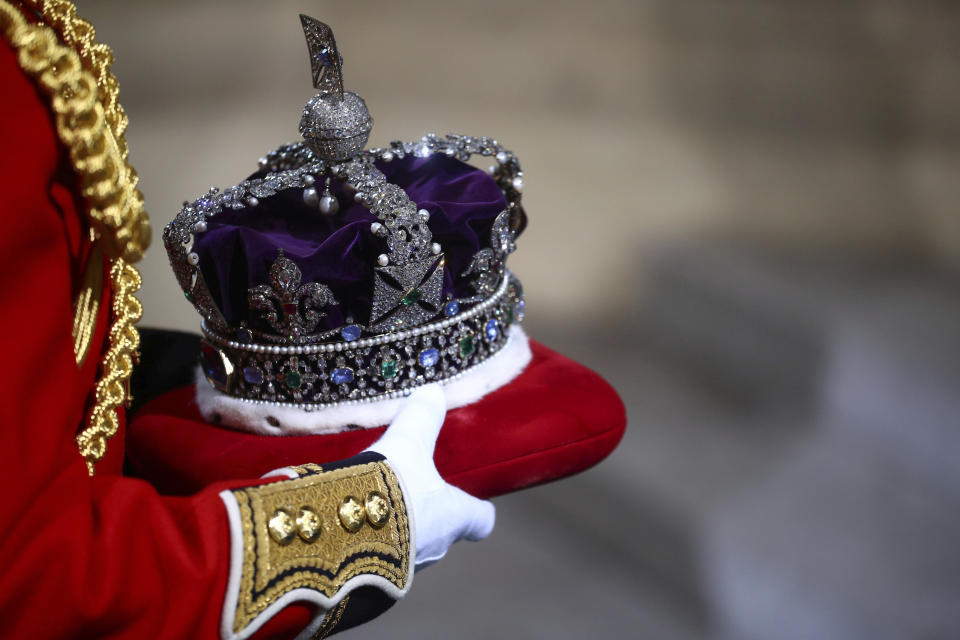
x: 421, y: 417
x: 478, y: 516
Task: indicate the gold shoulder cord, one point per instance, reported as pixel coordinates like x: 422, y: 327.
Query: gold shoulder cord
x: 75, y: 75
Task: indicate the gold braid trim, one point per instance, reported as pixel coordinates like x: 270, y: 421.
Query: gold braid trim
x: 90, y: 124
x: 332, y: 620
x: 78, y: 34
x: 99, y: 155
x: 111, y: 390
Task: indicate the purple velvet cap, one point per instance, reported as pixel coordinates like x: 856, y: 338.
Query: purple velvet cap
x: 340, y: 251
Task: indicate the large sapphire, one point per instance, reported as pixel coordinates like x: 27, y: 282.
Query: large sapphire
x: 342, y: 375
x: 429, y: 357
x: 253, y: 375
x: 491, y: 330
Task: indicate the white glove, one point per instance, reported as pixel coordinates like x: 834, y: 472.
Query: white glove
x: 442, y: 513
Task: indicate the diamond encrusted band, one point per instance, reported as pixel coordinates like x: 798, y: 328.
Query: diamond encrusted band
x: 317, y: 376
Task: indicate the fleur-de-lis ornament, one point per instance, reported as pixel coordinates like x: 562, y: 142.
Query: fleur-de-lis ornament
x: 287, y: 305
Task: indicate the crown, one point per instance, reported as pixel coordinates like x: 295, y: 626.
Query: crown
x: 338, y: 275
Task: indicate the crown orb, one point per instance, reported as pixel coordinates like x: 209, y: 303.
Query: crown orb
x: 336, y: 130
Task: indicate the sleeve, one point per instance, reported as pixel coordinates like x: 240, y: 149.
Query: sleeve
x: 325, y: 532
x: 106, y: 556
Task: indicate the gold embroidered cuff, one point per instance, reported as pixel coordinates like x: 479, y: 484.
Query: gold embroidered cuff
x: 318, y: 532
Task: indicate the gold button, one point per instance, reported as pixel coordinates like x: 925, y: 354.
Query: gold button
x: 281, y: 526
x: 308, y: 524
x: 351, y: 514
x: 378, y: 509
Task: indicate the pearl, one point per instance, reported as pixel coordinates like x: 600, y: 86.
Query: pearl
x: 358, y: 196
x: 387, y: 156
x: 435, y: 247
x: 308, y: 179
x: 310, y: 197
x: 193, y: 259
x: 329, y: 205
x: 383, y: 260
x: 424, y: 215
x: 492, y: 169
x: 378, y: 229
x: 502, y: 157
x: 252, y: 201
x: 200, y: 227
x: 518, y: 183
x: 262, y: 162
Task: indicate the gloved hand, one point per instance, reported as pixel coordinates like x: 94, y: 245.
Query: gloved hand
x: 442, y: 513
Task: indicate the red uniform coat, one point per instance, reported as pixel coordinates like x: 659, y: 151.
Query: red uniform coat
x: 102, y: 556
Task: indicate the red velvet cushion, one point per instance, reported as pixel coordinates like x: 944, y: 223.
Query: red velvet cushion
x: 555, y: 419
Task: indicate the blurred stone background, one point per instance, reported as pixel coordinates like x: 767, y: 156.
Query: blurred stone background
x: 743, y: 213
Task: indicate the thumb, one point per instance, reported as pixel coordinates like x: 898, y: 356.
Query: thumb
x: 478, y: 516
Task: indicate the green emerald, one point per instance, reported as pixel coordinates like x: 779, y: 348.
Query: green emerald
x: 510, y: 315
x: 467, y: 346
x: 413, y: 296
x: 389, y: 369
x: 189, y: 297
x: 293, y: 380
